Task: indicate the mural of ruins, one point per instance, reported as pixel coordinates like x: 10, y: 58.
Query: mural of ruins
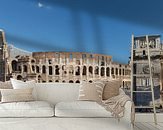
x: 68, y: 67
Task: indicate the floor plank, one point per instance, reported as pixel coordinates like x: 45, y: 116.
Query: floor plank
x: 148, y: 126
x: 141, y: 126
x: 157, y: 126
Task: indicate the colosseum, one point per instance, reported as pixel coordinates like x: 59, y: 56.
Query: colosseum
x: 68, y: 67
x: 72, y: 67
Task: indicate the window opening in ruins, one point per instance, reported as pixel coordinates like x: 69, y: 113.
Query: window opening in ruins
x: 116, y: 71
x: 77, y: 81
x: 119, y: 71
x: 102, y: 71
x: 14, y: 65
x: 143, y: 52
x: 112, y: 71
x: 50, y: 61
x: 57, y: 81
x: 71, y: 81
x: 43, y: 69
x: 108, y: 72
x: 19, y: 77
x: 37, y: 69
x: 84, y: 70
x: 32, y: 61
x: 96, y: 70
x: 77, y: 69
x: 33, y: 68
x: 25, y: 68
x: 19, y: 68
x: 90, y: 69
x: 57, y: 70
x: 90, y: 81
x: 63, y: 81
x: 123, y: 72
x: 102, y: 61
x: 50, y: 70
x: 50, y: 81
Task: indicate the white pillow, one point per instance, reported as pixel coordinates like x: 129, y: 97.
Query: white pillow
x: 17, y: 84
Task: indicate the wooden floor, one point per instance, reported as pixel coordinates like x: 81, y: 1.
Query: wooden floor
x: 148, y: 126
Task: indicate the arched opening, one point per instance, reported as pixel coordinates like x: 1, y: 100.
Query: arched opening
x: 77, y: 69
x: 33, y: 68
x: 71, y: 81
x: 43, y: 69
x: 39, y: 78
x: 77, y: 81
x: 116, y: 71
x: 32, y: 61
x: 90, y: 81
x: 108, y: 72
x: 84, y: 70
x: 56, y: 70
x: 119, y: 71
x: 19, y: 77
x: 57, y: 81
x: 96, y: 70
x: 123, y: 71
x: 14, y: 65
x: 50, y: 70
x: 63, y: 81
x: 50, y: 81
x: 19, y: 68
x: 90, y: 69
x: 102, y: 71
x: 37, y: 69
x: 112, y: 70
x: 24, y: 68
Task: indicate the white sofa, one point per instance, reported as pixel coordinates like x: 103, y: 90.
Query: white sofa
x: 64, y: 113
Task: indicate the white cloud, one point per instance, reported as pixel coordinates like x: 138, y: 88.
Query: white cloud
x: 40, y: 5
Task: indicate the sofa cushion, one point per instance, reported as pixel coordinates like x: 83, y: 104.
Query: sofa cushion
x: 91, y: 91
x: 111, y: 89
x: 80, y: 109
x: 17, y: 84
x: 16, y: 95
x: 26, y: 109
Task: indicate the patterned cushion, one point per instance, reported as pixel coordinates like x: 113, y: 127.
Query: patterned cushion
x: 91, y: 91
x: 111, y: 89
x: 16, y: 95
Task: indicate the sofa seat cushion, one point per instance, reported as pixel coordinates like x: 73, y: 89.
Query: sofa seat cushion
x: 80, y: 109
x: 26, y: 109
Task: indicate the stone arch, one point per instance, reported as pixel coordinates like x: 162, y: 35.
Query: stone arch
x: 90, y: 81
x: 56, y: 70
x: 50, y: 70
x: 90, y: 69
x: 37, y: 69
x: 71, y: 81
x: 39, y: 78
x: 77, y: 81
x: 77, y: 70
x: 120, y: 72
x: 33, y: 61
x: 25, y: 68
x: 43, y: 69
x: 19, y: 77
x: 33, y: 68
x: 84, y: 70
x: 50, y: 81
x: 116, y: 71
x: 56, y: 81
x: 14, y: 65
x: 123, y: 71
x: 102, y: 71
x: 108, y: 72
x: 112, y: 70
x: 63, y: 81
x: 96, y: 70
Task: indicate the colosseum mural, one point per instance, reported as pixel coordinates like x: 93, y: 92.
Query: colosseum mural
x: 72, y: 67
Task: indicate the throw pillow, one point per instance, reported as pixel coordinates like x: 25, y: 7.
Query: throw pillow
x: 91, y: 91
x: 18, y: 84
x: 111, y: 89
x: 16, y: 95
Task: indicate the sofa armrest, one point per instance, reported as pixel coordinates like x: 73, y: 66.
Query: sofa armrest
x: 127, y: 112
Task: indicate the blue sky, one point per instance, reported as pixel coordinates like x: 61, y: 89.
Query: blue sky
x: 95, y: 26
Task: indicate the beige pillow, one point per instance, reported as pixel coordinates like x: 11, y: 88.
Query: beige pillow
x: 111, y: 89
x: 91, y: 91
x: 16, y: 95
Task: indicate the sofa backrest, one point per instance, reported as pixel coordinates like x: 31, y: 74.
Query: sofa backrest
x: 57, y: 92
